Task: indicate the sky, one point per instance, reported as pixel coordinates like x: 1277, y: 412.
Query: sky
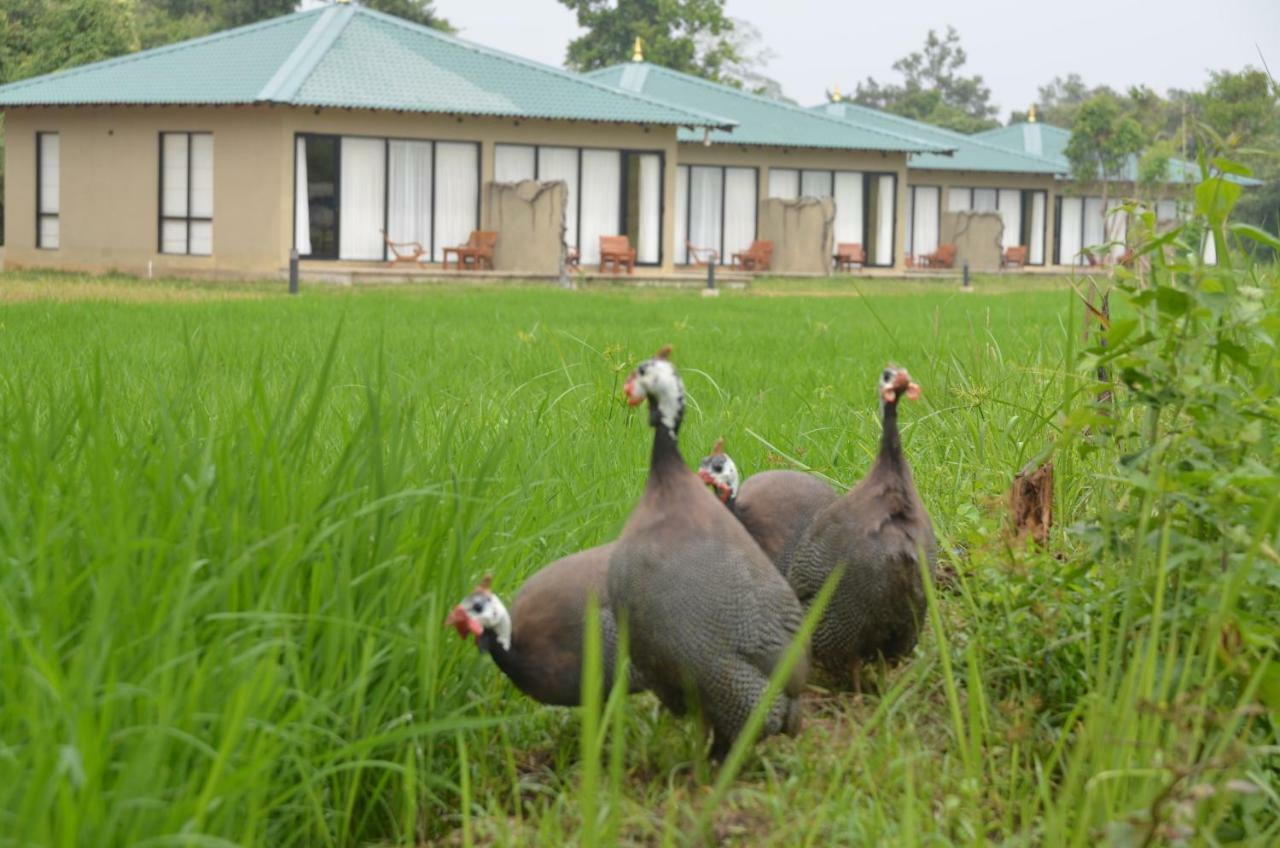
x: 1016, y: 45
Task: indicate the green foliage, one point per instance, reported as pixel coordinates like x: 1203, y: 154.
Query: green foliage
x: 64, y: 33
x: 690, y: 36
x: 933, y: 89
x: 1102, y: 140
x: 419, y: 11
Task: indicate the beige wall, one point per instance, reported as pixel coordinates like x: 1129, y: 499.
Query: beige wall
x: 110, y: 174
x: 765, y: 158
x: 947, y: 180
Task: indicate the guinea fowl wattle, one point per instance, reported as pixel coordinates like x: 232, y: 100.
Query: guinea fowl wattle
x: 710, y: 617
x: 774, y: 506
x: 877, y: 532
x: 538, y: 645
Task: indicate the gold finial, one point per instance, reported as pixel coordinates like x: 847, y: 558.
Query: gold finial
x: 836, y: 96
x: 1031, y: 114
x: 638, y: 54
x: 342, y: 2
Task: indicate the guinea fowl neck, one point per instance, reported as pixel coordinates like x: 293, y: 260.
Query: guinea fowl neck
x: 666, y: 452
x: 890, y: 457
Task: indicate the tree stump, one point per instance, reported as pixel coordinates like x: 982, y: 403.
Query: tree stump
x: 1031, y: 503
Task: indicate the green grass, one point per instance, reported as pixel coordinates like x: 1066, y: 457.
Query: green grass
x: 230, y: 529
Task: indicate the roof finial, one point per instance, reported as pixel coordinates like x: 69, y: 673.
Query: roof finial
x: 342, y: 2
x: 638, y: 54
x: 836, y: 96
x: 1031, y: 114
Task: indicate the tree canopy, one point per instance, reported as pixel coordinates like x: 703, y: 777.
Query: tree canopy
x: 933, y: 88
x: 691, y: 36
x: 1102, y: 140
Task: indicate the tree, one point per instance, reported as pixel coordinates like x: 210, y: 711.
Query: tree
x: 746, y: 69
x: 66, y: 33
x: 691, y: 36
x: 933, y: 89
x: 1102, y: 140
x: 418, y: 11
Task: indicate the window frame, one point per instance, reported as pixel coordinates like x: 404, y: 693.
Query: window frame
x: 908, y: 238
x: 386, y: 189
x: 867, y: 178
x: 41, y: 216
x: 724, y: 191
x: 625, y: 154
x: 188, y: 219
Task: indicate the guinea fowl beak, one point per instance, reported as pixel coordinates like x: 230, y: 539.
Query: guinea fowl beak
x: 629, y: 392
x: 722, y: 491
x: 901, y: 385
x: 463, y: 623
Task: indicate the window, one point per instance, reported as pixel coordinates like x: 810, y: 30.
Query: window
x: 924, y: 219
x: 611, y: 192
x: 715, y: 209
x: 1022, y: 211
x: 186, y: 193
x: 48, y: 204
x: 352, y: 193
x: 853, y: 192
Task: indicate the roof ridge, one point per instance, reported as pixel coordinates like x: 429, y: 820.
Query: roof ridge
x: 307, y: 53
x: 766, y: 100
x: 537, y: 66
x: 163, y: 49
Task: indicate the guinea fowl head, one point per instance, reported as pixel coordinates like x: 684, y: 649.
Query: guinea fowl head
x: 719, y: 472
x: 894, y: 383
x: 656, y: 379
x: 479, y: 613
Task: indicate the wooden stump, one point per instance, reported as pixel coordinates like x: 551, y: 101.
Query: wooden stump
x: 1031, y: 503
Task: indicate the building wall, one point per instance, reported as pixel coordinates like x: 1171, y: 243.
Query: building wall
x: 110, y: 178
x: 765, y: 158
x: 947, y: 180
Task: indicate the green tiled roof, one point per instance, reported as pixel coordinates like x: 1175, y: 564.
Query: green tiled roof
x: 1051, y: 142
x: 350, y: 57
x: 970, y: 154
x: 760, y: 121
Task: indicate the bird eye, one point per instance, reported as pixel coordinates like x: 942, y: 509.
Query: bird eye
x: 888, y: 375
x: 641, y: 370
x: 717, y: 467
x: 477, y: 607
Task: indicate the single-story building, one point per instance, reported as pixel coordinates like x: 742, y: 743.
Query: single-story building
x: 1078, y: 211
x: 777, y: 150
x: 321, y: 131
x: 973, y: 177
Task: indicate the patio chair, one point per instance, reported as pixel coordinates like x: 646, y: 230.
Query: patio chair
x: 1014, y: 257
x: 477, y: 252
x: 849, y: 254
x: 617, y: 251
x: 701, y: 255
x: 943, y: 257
x: 758, y: 257
x: 404, y: 251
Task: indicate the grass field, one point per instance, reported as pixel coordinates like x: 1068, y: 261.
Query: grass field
x: 231, y: 524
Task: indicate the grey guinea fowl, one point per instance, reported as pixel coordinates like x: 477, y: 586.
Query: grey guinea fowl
x: 539, y: 645
x: 774, y: 506
x: 876, y: 532
x: 709, y: 615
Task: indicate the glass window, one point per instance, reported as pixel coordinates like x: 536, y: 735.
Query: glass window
x: 186, y: 193
x: 48, y: 191
x: 784, y: 183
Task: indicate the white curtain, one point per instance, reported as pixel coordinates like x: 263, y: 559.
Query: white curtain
x: 301, y: 200
x: 649, y: 238
x: 815, y: 184
x: 924, y: 226
x: 1011, y: 213
x: 1094, y: 233
x: 1035, y: 250
x: 601, y: 200
x: 911, y: 211
x: 784, y: 183
x: 985, y: 200
x: 1209, y: 250
x: 173, y: 195
x: 848, y: 197
x: 200, y: 238
x: 739, y: 210
x: 50, y: 235
x: 1070, y: 219
x: 682, y: 216
x: 457, y: 180
x: 1117, y: 228
x: 514, y: 162
x: 561, y: 163
x: 885, y: 203
x: 959, y: 199
x: 360, y: 220
x: 706, y: 193
x: 409, y: 192
x: 1166, y: 210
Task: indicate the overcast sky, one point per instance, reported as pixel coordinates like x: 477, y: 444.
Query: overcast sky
x: 1015, y: 44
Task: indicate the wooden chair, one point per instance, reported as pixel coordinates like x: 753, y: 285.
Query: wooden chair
x: 617, y: 250
x: 758, y: 257
x: 1014, y: 257
x: 849, y: 254
x: 477, y: 252
x: 943, y: 257
x: 701, y: 255
x: 404, y: 251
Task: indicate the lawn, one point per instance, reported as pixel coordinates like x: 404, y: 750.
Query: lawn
x: 232, y: 523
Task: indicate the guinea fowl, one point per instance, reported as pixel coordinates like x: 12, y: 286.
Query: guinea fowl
x: 709, y: 615
x: 774, y: 506
x: 539, y: 644
x: 876, y: 532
